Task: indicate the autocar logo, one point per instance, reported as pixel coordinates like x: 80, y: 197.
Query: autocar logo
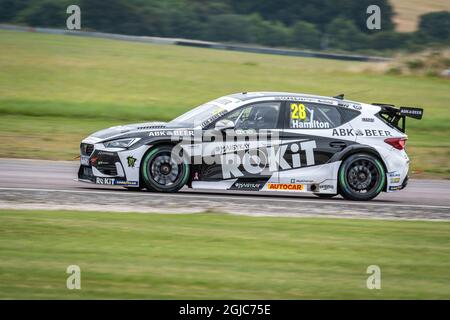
x: 285, y: 187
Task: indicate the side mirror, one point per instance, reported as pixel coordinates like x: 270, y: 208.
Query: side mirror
x: 224, y: 125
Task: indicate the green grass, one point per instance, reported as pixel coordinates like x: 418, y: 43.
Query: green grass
x: 76, y: 85
x: 215, y: 256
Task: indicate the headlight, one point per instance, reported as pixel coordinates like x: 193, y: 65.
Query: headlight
x: 121, y: 143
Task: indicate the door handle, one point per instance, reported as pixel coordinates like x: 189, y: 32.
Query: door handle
x: 338, y: 144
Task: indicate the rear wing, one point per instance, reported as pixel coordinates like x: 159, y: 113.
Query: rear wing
x: 397, y: 116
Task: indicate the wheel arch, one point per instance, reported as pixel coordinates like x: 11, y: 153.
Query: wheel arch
x: 160, y: 143
x: 355, y: 149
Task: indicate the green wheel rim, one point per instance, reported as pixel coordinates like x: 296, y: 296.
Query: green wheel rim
x: 150, y: 156
x: 344, y: 183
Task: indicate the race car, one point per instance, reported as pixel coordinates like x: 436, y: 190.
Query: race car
x: 259, y: 141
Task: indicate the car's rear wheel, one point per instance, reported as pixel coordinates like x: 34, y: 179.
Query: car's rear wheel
x: 160, y: 171
x: 361, y: 177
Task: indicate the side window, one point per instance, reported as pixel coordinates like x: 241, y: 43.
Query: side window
x: 348, y: 115
x: 313, y: 116
x: 232, y: 116
x: 257, y: 116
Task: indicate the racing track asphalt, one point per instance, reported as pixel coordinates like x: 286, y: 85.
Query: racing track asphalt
x: 40, y: 184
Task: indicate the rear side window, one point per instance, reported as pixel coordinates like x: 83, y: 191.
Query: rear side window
x: 348, y: 114
x: 391, y: 119
x: 312, y: 116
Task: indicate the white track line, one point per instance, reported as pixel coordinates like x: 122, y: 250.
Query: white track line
x: 229, y: 197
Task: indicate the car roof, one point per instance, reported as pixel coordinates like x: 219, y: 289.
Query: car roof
x: 246, y: 96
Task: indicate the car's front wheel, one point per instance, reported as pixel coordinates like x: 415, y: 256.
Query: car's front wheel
x: 160, y: 171
x: 361, y: 177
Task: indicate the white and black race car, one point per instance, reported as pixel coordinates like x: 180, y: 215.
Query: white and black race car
x: 259, y: 141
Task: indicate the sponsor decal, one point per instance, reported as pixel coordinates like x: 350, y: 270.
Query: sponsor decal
x: 126, y: 183
x: 257, y: 162
x: 171, y: 133
x: 213, y: 118
x: 263, y: 157
x: 313, y: 100
x: 314, y: 124
x: 232, y: 148
x: 247, y: 186
x: 395, y: 188
x: 157, y: 133
x: 106, y: 153
x: 131, y: 161
x: 368, y: 119
x: 299, y: 115
x: 355, y: 106
x: 359, y: 132
x: 301, y: 181
x: 108, y: 181
x: 326, y: 101
x: 412, y: 112
x: 285, y: 187
x: 245, y: 132
x: 182, y: 132
x: 394, y: 177
x: 326, y: 187
x: 114, y: 181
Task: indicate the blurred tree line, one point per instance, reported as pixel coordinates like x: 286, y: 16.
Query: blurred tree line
x: 306, y: 24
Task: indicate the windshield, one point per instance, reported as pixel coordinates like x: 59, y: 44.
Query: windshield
x: 201, y: 115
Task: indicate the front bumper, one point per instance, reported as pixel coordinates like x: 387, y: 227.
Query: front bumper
x: 103, y: 168
x: 85, y: 174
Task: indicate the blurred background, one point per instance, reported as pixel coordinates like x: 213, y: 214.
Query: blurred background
x: 56, y: 89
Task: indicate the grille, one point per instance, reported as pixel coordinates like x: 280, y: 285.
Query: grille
x: 108, y: 169
x: 150, y: 127
x: 86, y: 149
x: 154, y: 125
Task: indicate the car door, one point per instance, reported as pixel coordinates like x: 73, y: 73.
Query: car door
x: 310, y: 141
x: 243, y: 153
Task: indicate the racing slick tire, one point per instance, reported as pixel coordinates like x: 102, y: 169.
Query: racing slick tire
x: 361, y: 177
x: 161, y: 173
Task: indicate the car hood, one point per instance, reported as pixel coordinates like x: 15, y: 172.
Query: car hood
x: 118, y: 130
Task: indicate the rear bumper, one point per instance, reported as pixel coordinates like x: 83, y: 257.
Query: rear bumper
x: 396, y: 185
x: 405, y: 182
